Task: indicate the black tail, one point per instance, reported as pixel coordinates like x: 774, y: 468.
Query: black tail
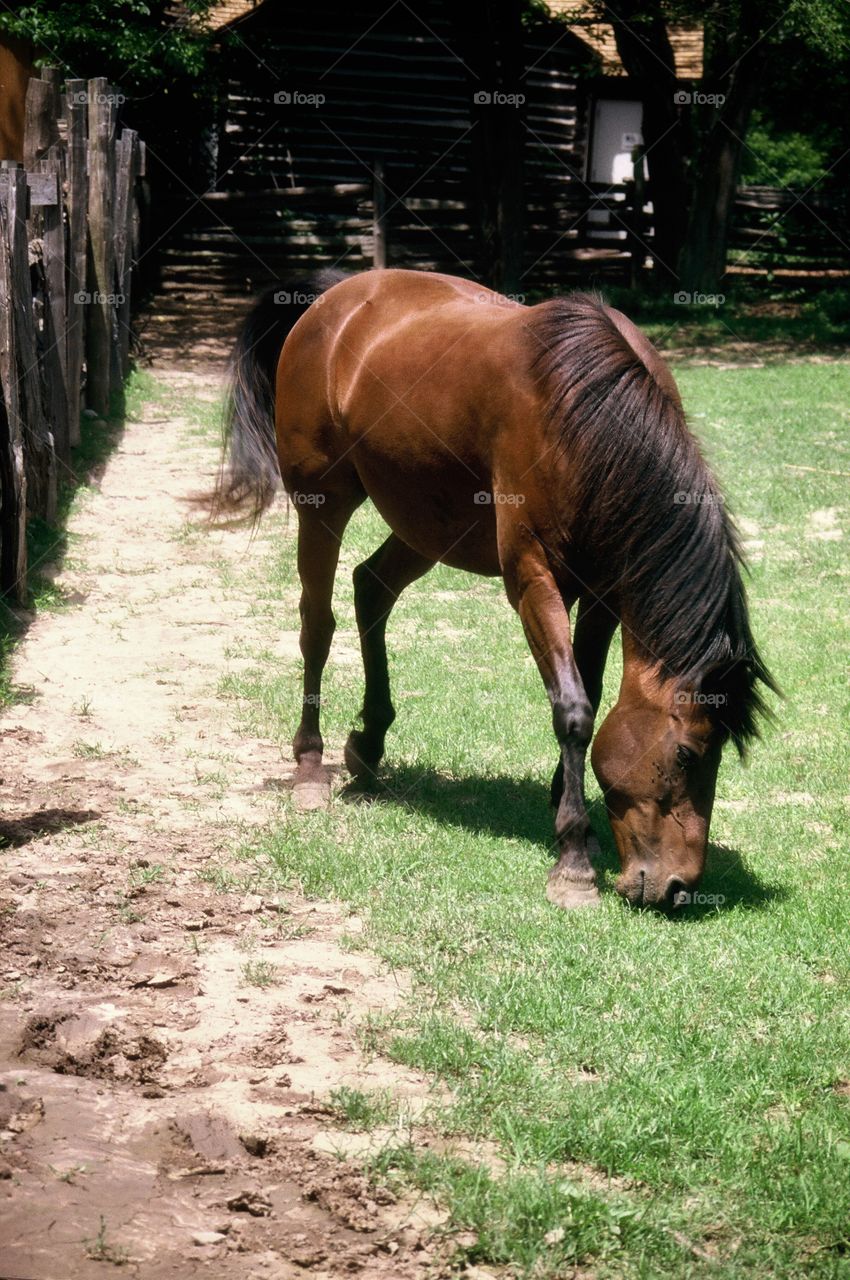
x: 250, y: 474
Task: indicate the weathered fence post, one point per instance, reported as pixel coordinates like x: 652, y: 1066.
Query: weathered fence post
x: 39, y: 455
x: 41, y: 130
x: 13, y: 481
x: 54, y: 355
x: 43, y: 154
x: 77, y: 179
x: 125, y: 178
x: 54, y: 362
x: 102, y: 256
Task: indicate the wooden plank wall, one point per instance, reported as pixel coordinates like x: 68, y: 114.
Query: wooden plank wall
x: 314, y: 104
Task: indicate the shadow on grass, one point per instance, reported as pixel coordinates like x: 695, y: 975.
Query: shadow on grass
x: 47, y: 544
x: 518, y: 809
x: 756, y: 320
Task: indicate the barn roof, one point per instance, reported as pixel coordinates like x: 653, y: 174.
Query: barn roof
x: 229, y: 10
x: 687, y: 42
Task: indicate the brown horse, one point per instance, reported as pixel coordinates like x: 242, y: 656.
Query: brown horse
x: 546, y: 444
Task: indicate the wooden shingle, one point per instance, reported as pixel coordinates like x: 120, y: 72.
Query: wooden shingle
x: 687, y: 42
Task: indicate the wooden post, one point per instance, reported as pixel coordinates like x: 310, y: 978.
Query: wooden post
x: 53, y: 76
x: 54, y: 353
x: 633, y: 217
x: 77, y: 179
x: 101, y: 256
x: 41, y: 129
x: 379, y: 216
x: 43, y: 154
x: 13, y: 481
x: 38, y: 440
x: 126, y: 167
x: 140, y: 221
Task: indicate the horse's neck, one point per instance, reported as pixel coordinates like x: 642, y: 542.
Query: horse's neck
x: 642, y: 671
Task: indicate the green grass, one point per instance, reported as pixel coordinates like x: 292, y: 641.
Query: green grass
x: 669, y: 1095
x: 258, y: 973
x: 764, y: 322
x: 360, y: 1111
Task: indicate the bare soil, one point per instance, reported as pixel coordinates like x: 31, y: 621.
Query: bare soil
x: 168, y: 1043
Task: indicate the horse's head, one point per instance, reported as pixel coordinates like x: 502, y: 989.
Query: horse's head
x: 656, y: 758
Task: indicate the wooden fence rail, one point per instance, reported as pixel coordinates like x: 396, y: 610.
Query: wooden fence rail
x: 69, y: 237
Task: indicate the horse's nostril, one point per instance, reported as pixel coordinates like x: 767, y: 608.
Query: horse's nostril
x: 676, y: 894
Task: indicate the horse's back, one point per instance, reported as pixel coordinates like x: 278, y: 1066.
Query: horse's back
x: 378, y: 323
x: 425, y: 392
x: 404, y: 381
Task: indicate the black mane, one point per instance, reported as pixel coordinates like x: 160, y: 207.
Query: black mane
x: 650, y: 519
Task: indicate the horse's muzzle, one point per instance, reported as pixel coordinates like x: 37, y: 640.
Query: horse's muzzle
x: 643, y: 886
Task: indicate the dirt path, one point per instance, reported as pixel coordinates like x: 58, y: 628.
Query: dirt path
x: 169, y: 1029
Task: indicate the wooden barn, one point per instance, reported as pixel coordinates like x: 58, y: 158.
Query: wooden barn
x: 431, y: 135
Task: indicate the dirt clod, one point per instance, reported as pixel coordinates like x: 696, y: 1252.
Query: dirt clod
x: 256, y: 1144
x: 253, y: 1202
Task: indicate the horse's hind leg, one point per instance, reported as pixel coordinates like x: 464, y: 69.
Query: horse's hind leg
x: 320, y: 531
x: 378, y: 583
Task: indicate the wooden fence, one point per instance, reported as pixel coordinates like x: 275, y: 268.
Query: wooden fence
x: 69, y: 235
x: 804, y: 232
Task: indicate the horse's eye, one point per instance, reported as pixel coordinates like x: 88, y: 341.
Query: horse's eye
x: 684, y: 756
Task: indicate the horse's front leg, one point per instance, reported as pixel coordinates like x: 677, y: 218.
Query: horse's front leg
x: 533, y: 592
x: 596, y: 622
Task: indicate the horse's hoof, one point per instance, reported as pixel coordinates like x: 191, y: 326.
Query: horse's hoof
x: 569, y: 894
x: 308, y: 796
x: 362, y: 770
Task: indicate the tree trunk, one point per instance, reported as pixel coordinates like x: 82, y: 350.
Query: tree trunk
x: 645, y: 51
x: 712, y: 201
x: 692, y: 212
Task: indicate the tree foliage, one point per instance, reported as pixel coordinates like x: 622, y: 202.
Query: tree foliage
x: 137, y: 44
x: 695, y: 153
x: 160, y: 55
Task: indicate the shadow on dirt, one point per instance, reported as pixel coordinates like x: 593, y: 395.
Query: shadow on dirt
x: 15, y: 832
